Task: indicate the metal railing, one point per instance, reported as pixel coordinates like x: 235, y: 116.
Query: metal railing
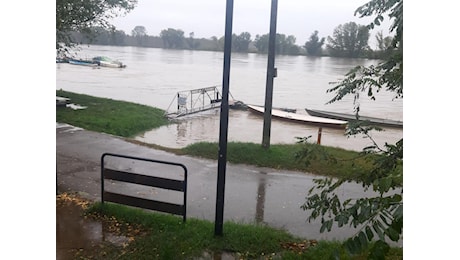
x: 152, y: 181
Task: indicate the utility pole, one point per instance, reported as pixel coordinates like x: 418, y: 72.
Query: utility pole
x: 271, y: 74
x: 223, y: 131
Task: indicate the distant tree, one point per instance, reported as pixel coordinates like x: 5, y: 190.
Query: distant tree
x: 139, y: 31
x: 172, y: 38
x: 290, y: 48
x: 240, y: 43
x: 140, y: 34
x: 221, y: 43
x: 192, y: 43
x: 349, y: 40
x: 80, y: 16
x: 118, y: 37
x: 261, y: 43
x: 314, y: 45
x: 283, y: 44
x: 216, y: 43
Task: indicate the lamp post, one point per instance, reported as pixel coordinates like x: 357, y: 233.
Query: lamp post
x: 223, y: 131
x: 271, y: 74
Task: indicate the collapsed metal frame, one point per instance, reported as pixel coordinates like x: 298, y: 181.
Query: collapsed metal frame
x: 194, y: 101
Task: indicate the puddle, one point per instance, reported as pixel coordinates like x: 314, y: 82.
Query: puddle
x: 75, y: 233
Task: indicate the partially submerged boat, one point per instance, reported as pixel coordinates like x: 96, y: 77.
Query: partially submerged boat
x: 98, y: 61
x: 82, y: 62
x: 104, y: 61
x: 350, y: 117
x: 300, y: 118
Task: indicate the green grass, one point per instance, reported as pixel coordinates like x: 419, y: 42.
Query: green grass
x: 109, y: 116
x: 167, y: 237
x: 283, y: 156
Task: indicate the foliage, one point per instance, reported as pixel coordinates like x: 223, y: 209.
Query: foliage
x: 314, y: 45
x: 192, y: 43
x: 139, y: 31
x: 140, y: 34
x: 283, y: 45
x: 172, y: 38
x: 348, y: 40
x: 81, y: 15
x: 384, y: 48
x: 240, y: 43
x: 379, y: 216
x: 383, y: 43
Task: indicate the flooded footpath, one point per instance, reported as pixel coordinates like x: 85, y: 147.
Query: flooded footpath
x: 76, y: 233
x: 252, y: 194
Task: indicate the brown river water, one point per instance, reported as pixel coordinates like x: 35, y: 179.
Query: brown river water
x: 154, y: 76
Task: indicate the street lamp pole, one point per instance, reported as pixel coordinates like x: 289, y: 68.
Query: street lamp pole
x: 271, y: 74
x: 223, y: 132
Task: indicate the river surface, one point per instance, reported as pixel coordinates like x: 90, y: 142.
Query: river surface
x: 154, y: 76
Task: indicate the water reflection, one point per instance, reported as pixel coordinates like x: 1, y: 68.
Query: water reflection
x: 260, y: 205
x: 245, y: 126
x: 73, y: 232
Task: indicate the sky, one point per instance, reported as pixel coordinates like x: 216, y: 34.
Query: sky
x: 206, y: 18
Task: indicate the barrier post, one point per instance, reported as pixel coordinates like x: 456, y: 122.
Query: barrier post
x: 319, y: 135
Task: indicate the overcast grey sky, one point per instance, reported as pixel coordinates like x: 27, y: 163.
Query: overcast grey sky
x: 206, y: 18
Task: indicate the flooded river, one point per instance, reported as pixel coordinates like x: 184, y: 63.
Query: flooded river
x: 154, y: 76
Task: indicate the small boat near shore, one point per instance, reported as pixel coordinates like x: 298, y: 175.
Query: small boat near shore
x: 300, y: 118
x: 349, y: 117
x: 104, y: 61
x: 82, y: 62
x: 98, y: 61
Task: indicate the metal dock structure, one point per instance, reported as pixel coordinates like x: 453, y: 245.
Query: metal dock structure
x: 193, y: 101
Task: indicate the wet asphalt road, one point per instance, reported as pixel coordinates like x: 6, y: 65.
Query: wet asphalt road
x: 252, y: 194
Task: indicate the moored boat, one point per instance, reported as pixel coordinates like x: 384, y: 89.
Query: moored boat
x: 301, y: 118
x: 82, y: 62
x: 104, y: 61
x: 349, y: 117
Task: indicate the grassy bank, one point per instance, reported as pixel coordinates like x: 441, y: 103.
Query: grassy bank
x: 161, y: 236
x: 109, y: 116
x: 284, y: 156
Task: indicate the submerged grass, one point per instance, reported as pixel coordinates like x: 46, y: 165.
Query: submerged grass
x: 167, y: 237
x: 109, y: 116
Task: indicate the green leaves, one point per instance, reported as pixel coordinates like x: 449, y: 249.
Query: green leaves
x: 78, y: 16
x: 379, y: 217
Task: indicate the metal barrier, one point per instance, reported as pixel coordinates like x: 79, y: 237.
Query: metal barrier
x: 129, y: 177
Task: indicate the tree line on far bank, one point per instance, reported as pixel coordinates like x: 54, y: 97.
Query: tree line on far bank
x: 349, y: 40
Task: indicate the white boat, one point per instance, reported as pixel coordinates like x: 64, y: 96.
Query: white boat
x: 301, y: 118
x: 104, y: 61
